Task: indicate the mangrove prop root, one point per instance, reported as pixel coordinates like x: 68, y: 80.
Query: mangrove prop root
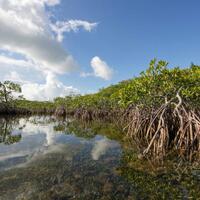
x: 172, y: 126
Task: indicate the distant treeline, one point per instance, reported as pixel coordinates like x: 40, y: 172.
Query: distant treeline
x: 150, y: 89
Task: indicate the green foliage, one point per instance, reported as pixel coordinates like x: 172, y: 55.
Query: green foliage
x: 7, y: 88
x: 151, y: 88
x: 36, y: 107
x: 157, y: 83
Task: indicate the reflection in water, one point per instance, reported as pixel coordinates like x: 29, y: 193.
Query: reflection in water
x: 100, y: 147
x: 68, y: 160
x: 7, y: 135
x: 47, y: 164
x: 36, y: 139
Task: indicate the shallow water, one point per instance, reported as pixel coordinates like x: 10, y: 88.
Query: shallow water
x: 47, y: 158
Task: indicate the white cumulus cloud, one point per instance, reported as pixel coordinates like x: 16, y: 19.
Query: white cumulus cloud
x: 25, y: 30
x: 17, y: 69
x: 48, y: 91
x: 32, y: 51
x: 101, y: 68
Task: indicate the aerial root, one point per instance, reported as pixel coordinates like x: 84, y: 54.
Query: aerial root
x: 171, y: 126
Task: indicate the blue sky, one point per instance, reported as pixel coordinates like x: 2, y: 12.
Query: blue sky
x: 128, y: 34
x: 132, y: 32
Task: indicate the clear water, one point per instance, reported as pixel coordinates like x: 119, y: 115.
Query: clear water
x: 47, y: 158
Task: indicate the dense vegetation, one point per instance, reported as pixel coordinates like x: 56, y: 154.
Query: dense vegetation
x: 158, y: 109
x: 150, y: 89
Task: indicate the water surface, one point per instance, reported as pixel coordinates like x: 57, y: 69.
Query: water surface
x: 48, y: 158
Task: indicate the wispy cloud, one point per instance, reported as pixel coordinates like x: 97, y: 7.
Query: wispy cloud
x: 72, y: 25
x: 6, y: 60
x: 15, y: 77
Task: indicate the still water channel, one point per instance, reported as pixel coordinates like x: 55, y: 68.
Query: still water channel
x: 47, y: 158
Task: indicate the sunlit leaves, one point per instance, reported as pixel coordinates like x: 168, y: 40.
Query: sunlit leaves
x: 158, y: 83
x: 150, y: 89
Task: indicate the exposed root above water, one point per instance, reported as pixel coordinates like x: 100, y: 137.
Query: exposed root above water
x: 174, y: 125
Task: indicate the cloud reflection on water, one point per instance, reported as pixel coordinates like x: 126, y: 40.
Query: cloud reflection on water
x: 100, y: 147
x: 39, y: 138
